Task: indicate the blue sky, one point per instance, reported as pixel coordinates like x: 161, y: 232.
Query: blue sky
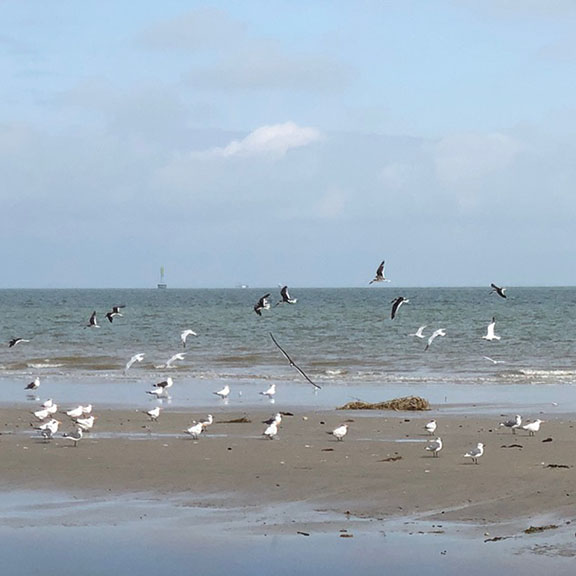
x: 287, y: 142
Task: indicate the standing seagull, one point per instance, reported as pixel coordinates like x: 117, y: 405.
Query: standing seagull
x: 195, y: 430
x: 114, y: 312
x: 499, y: 290
x: 165, y: 384
x: 532, y: 427
x: 15, y: 341
x: 154, y: 413
x: 34, y: 385
x: 513, y: 424
x: 224, y: 393
x: 286, y: 297
x: 434, y: 335
x: 435, y: 446
x: 475, y: 453
x: 185, y: 334
x: 430, y: 427
x: 271, y: 431
x: 262, y: 304
x: 380, y: 274
x: 340, y: 432
x: 419, y: 332
x: 396, y: 303
x: 490, y: 334
x: 93, y: 322
x: 270, y: 391
x: 75, y: 436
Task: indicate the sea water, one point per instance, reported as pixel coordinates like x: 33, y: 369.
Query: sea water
x: 344, y: 339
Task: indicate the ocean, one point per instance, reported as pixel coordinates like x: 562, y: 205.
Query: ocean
x: 343, y: 338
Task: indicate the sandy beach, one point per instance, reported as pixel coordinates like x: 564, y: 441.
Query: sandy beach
x: 380, y: 470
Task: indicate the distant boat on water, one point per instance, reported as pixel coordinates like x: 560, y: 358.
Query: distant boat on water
x: 162, y: 285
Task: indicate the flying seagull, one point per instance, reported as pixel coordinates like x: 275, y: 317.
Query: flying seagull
x: 490, y: 334
x: 494, y: 361
x: 135, y: 358
x: 475, y: 453
x: 499, y: 290
x: 262, y: 304
x: 93, y: 322
x: 286, y: 297
x: 15, y: 341
x: 380, y: 274
x: 185, y: 334
x: 396, y: 303
x: 178, y: 356
x: 433, y: 336
x: 419, y: 332
x: 292, y: 362
x: 435, y: 446
x: 114, y: 312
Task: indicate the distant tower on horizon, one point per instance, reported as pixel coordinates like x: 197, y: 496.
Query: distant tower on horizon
x: 162, y: 285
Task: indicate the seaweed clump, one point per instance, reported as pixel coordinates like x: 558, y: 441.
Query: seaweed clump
x: 412, y: 403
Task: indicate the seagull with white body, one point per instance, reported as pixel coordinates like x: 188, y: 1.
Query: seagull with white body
x: 86, y: 423
x: 93, y: 322
x: 184, y: 336
x: 208, y: 422
x: 114, y: 312
x: 435, y: 446
x: 42, y: 414
x: 87, y: 409
x: 286, y: 297
x: 48, y: 429
x: 136, y: 358
x: 15, y: 341
x: 420, y: 332
x: 340, y: 432
x: 262, y: 304
x: 177, y: 356
x: 430, y: 427
x: 433, y: 336
x: 75, y: 412
x: 195, y: 430
x: 380, y: 277
x: 271, y: 431
x: 154, y: 413
x: 75, y: 436
x: 475, y: 453
x: 396, y: 303
x: 532, y: 427
x: 493, y: 361
x: 52, y: 409
x: 499, y: 290
x: 490, y: 334
x: 224, y: 392
x: 270, y: 392
x: 513, y: 424
x: 34, y: 385
x: 48, y: 403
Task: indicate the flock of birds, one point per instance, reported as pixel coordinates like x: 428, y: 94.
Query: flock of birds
x: 83, y: 419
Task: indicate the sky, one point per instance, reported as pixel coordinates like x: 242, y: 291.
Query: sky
x: 287, y: 142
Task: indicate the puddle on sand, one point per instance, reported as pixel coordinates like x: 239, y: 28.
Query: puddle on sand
x: 149, y: 535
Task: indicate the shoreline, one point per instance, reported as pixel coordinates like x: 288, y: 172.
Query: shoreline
x: 381, y: 470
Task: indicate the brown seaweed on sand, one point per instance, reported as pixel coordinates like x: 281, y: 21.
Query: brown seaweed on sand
x: 406, y: 403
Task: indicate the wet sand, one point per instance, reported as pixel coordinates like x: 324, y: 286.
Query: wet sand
x: 381, y: 469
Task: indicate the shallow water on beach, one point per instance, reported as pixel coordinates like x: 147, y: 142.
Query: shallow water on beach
x: 344, y: 339
x: 148, y: 536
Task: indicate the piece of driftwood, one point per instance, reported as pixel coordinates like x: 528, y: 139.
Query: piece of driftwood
x: 406, y: 403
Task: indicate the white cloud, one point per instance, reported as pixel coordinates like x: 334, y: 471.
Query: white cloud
x: 274, y: 140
